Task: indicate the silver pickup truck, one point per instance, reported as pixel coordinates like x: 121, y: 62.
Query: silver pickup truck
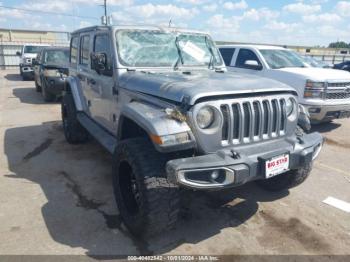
x: 160, y: 100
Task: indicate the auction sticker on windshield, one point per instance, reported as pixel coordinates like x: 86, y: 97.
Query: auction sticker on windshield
x: 194, y: 51
x: 276, y: 165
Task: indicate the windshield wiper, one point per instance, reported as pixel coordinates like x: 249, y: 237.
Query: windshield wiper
x: 212, y: 56
x: 179, y: 52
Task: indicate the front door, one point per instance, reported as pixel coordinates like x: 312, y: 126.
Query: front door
x: 102, y: 85
x: 241, y: 65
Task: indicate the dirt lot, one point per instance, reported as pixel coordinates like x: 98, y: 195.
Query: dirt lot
x: 56, y: 198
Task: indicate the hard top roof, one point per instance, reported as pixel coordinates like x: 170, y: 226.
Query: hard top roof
x: 135, y: 27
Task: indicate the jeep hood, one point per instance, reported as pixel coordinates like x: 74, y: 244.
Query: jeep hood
x: 317, y: 74
x: 176, y: 85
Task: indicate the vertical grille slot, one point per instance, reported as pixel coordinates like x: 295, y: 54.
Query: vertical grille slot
x: 256, y: 107
x: 247, y: 119
x: 266, y: 117
x: 274, y: 115
x: 283, y: 114
x: 225, y: 126
x: 236, y: 127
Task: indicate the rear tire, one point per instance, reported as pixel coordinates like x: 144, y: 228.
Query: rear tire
x: 73, y: 130
x: 147, y: 201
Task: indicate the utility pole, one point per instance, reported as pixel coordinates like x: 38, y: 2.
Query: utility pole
x: 105, y: 6
x: 104, y: 19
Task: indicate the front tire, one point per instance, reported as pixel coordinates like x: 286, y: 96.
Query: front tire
x: 48, y: 97
x: 147, y: 201
x: 73, y: 130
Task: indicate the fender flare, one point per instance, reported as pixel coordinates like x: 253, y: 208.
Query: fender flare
x: 72, y: 85
x: 152, y: 119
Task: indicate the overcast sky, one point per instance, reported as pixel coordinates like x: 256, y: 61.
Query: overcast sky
x: 297, y: 22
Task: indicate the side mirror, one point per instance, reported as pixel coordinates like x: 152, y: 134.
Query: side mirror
x: 253, y: 64
x: 18, y: 53
x: 98, y: 62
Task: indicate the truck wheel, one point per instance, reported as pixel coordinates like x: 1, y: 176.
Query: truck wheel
x: 73, y: 130
x: 147, y: 201
x: 287, y: 180
x: 48, y: 97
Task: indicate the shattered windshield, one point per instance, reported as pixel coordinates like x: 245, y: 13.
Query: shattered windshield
x: 59, y: 57
x: 144, y: 48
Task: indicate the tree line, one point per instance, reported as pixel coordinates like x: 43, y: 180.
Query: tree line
x: 339, y: 44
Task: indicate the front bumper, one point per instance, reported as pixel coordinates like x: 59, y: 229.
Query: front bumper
x: 55, y: 85
x: 321, y: 113
x: 26, y: 69
x: 245, y: 165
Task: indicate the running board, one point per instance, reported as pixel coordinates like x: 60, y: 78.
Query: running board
x: 102, y: 136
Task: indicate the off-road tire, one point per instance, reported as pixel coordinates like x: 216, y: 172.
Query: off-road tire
x: 156, y: 205
x: 48, y: 97
x: 74, y: 132
x: 287, y: 180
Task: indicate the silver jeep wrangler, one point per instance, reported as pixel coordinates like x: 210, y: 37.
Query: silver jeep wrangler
x: 160, y: 100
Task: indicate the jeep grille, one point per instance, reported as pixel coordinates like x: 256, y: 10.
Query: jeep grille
x: 250, y: 121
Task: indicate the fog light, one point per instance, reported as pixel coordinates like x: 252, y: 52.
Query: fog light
x: 215, y: 174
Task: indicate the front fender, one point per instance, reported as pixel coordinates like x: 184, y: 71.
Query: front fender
x: 72, y: 85
x: 156, y: 122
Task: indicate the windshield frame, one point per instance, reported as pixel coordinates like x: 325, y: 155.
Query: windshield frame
x: 295, y: 54
x: 120, y: 61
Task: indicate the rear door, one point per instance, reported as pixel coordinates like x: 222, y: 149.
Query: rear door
x: 102, y: 84
x: 84, y: 69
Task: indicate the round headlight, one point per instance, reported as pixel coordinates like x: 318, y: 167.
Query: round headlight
x: 289, y: 106
x: 205, y: 117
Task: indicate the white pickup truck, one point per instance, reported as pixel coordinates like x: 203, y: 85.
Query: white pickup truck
x: 324, y: 92
x: 27, y: 54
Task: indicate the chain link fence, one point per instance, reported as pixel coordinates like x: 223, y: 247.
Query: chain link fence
x: 8, y: 51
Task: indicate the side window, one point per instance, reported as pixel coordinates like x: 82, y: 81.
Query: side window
x: 84, y: 50
x: 245, y: 55
x: 102, y: 45
x: 227, y: 54
x: 74, y: 50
